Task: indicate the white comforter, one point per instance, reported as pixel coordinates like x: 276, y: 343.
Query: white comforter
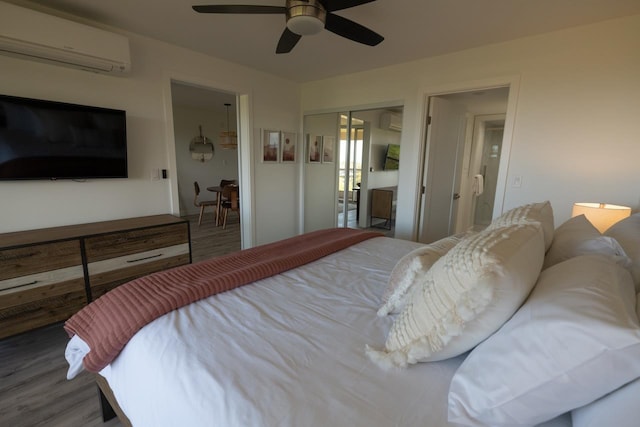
x: 286, y: 351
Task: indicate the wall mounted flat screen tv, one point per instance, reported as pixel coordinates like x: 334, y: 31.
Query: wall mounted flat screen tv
x: 392, y: 158
x: 54, y: 140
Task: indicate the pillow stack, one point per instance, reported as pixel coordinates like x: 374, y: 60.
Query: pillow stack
x: 470, y: 291
x: 575, y: 339
x: 573, y: 346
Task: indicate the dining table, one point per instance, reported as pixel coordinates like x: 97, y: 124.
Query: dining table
x: 218, y: 190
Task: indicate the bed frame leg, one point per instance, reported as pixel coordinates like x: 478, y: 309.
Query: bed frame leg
x: 105, y: 407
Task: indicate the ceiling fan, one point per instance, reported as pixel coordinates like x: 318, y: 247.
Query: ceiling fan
x: 306, y: 17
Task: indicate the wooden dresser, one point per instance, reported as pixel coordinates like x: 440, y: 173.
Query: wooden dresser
x: 47, y: 275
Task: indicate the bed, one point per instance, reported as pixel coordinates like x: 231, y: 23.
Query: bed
x: 302, y: 347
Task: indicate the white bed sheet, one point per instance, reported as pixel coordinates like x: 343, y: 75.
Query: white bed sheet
x: 284, y: 351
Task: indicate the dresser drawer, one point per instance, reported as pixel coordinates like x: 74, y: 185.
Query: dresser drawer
x: 40, y: 258
x: 106, y: 274
x: 39, y: 285
x: 114, y: 245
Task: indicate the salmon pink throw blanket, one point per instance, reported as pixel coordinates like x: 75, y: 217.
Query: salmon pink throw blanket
x: 107, y: 324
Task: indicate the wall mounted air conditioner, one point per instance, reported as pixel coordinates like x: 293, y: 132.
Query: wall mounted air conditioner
x: 30, y: 34
x: 391, y: 121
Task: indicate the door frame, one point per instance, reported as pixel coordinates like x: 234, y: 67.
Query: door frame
x: 245, y: 150
x: 513, y: 83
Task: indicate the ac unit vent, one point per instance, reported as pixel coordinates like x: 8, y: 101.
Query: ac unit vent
x: 391, y: 121
x: 29, y: 34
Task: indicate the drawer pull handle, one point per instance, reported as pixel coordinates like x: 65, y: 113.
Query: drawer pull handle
x: 145, y: 258
x: 20, y: 286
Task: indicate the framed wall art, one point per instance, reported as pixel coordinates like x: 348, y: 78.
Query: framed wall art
x: 314, y: 148
x: 288, y: 147
x: 328, y: 149
x: 270, y: 146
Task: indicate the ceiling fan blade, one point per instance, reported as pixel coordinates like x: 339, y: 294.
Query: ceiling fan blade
x: 333, y: 5
x: 239, y: 9
x: 288, y: 40
x: 353, y: 31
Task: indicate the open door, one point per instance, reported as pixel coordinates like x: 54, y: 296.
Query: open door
x: 440, y: 181
x: 488, y: 134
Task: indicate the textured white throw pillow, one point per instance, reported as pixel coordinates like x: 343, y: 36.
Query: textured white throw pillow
x: 466, y: 296
x: 577, y: 236
x: 575, y: 339
x: 627, y: 233
x: 411, y: 270
x: 534, y: 212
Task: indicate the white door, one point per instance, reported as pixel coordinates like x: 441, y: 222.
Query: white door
x: 445, y: 140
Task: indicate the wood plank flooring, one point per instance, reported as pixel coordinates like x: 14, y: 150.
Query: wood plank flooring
x: 34, y: 390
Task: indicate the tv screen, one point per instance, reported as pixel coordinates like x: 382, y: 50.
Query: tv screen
x: 54, y: 140
x: 392, y: 158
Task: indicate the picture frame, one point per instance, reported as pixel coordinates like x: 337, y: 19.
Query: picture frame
x: 314, y: 148
x: 288, y: 143
x: 328, y: 149
x: 270, y: 146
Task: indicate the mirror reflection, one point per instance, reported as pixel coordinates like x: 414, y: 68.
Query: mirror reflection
x: 354, y: 182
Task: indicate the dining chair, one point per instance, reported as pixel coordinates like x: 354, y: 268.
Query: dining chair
x: 224, y: 183
x: 229, y: 202
x: 203, y: 203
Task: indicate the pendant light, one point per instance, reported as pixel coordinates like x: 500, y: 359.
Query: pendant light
x: 228, y: 139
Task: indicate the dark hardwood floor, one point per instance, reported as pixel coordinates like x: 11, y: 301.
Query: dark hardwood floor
x: 34, y: 390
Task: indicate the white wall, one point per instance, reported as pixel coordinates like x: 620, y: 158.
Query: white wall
x: 145, y: 95
x: 576, y: 134
x: 223, y: 165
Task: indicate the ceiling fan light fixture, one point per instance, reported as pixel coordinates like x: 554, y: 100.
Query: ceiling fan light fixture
x: 305, y: 25
x: 305, y: 17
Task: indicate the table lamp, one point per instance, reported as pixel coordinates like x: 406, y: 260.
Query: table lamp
x: 601, y: 215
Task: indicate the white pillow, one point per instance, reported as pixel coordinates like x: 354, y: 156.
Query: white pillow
x: 619, y: 409
x: 410, y: 270
x: 533, y: 212
x: 627, y: 233
x: 466, y: 296
x: 575, y: 339
x: 577, y: 236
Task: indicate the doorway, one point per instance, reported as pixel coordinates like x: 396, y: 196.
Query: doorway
x: 486, y: 149
x: 200, y: 115
x: 350, y: 170
x: 462, y: 161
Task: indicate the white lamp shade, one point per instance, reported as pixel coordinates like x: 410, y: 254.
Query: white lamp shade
x: 601, y: 215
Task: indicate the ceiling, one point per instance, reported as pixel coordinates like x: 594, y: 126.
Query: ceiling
x: 413, y: 29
